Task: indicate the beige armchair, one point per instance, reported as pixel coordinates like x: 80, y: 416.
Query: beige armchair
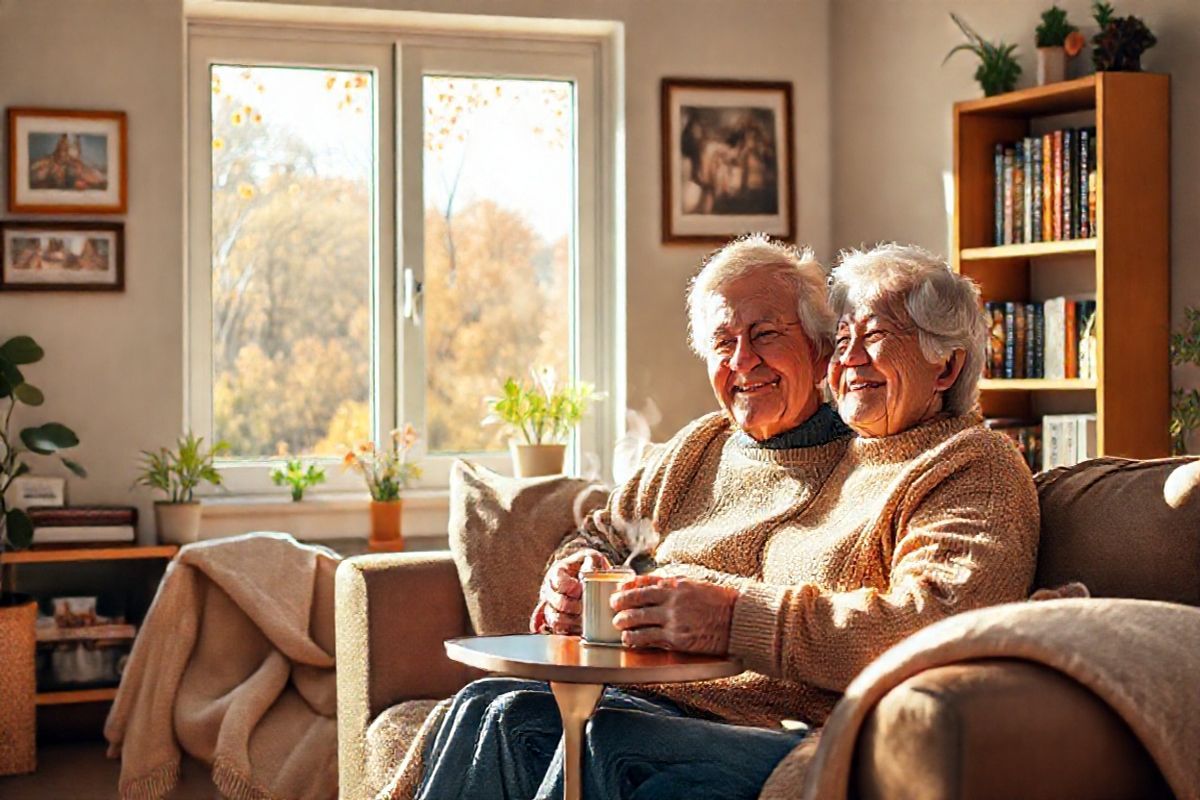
x: 991, y: 729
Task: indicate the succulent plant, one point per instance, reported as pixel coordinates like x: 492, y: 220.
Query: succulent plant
x: 1054, y: 29
x: 998, y: 70
x: 1119, y: 45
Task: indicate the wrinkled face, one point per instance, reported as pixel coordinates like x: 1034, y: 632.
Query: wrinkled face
x: 882, y: 381
x: 761, y: 365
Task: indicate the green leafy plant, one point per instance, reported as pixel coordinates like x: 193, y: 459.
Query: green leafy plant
x: 998, y: 69
x: 541, y: 411
x: 51, y: 438
x: 297, y: 476
x: 1054, y: 29
x: 1121, y: 41
x: 176, y: 473
x: 1185, y: 405
x: 386, y: 469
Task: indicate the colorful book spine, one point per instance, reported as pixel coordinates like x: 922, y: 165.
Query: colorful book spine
x: 1071, y: 337
x: 1047, y: 188
x: 998, y: 197
x: 1010, y: 340
x: 1092, y: 183
x: 1054, y: 339
x: 1027, y: 198
x: 1068, y: 152
x: 1056, y: 198
x: 1030, y: 342
x: 1009, y: 155
x: 1085, y: 136
x: 1018, y: 192
x: 1036, y: 172
x: 997, y: 339
x: 1039, y: 341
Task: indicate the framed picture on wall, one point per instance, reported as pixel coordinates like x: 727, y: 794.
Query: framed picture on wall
x: 66, y: 161
x: 62, y: 256
x: 726, y: 160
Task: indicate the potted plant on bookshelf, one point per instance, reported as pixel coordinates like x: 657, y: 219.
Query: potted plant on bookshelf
x: 1119, y: 44
x: 543, y: 414
x: 1057, y: 40
x: 387, y: 471
x: 18, y: 612
x: 1185, y: 405
x: 177, y: 473
x: 298, y: 477
x: 998, y: 68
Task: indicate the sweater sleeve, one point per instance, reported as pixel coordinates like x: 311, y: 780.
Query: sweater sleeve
x: 965, y: 534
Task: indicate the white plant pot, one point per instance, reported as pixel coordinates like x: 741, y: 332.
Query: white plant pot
x: 1051, y: 65
x: 533, y: 460
x: 178, y: 523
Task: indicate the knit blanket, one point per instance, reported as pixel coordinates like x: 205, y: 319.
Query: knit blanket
x: 1140, y: 657
x: 234, y: 665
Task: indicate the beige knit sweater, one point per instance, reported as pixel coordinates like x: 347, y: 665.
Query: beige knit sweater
x: 839, y: 551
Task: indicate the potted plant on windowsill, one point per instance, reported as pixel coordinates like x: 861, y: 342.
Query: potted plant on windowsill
x: 543, y: 414
x: 386, y: 470
x: 18, y: 612
x: 295, y: 475
x: 177, y: 473
x: 1057, y: 39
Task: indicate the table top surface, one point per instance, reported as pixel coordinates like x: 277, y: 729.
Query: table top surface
x: 567, y: 659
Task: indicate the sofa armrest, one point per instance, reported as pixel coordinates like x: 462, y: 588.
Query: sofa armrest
x: 393, y: 611
x: 999, y: 729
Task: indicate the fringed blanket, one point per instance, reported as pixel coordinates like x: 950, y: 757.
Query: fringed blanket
x: 235, y: 666
x: 1140, y: 657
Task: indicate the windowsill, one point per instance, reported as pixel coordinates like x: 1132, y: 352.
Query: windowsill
x: 323, y: 516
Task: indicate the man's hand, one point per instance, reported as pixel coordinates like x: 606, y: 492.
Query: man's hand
x: 675, y: 614
x: 560, y: 600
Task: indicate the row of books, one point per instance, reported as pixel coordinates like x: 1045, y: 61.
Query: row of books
x: 1055, y: 339
x: 83, y: 524
x: 1056, y: 440
x: 1045, y: 187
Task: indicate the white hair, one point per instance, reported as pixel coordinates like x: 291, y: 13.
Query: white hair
x: 909, y: 283
x: 794, y: 269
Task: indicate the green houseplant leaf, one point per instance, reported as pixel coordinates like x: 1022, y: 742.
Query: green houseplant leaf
x: 22, y: 350
x: 18, y: 528
x: 29, y: 394
x: 49, y: 438
x: 75, y: 467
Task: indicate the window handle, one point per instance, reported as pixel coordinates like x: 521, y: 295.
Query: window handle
x: 412, y: 294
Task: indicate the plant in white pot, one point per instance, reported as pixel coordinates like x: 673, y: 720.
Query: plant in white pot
x: 18, y: 612
x: 177, y: 473
x: 540, y: 415
x: 1057, y: 40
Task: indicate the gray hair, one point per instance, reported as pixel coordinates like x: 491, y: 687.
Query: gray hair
x: 794, y: 269
x: 906, y: 281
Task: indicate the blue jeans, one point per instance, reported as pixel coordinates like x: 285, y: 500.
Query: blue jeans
x: 501, y: 739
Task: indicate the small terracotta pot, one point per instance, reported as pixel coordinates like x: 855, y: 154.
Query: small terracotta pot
x: 386, y: 530
x: 532, y: 460
x: 177, y: 523
x: 1051, y: 65
x: 18, y: 684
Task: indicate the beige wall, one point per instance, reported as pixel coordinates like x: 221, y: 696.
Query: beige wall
x: 113, y: 368
x: 892, y: 103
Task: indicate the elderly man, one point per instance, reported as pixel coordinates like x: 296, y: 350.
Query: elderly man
x: 785, y: 541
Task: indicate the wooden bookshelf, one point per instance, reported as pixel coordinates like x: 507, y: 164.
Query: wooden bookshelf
x: 61, y: 554
x: 103, y: 695
x: 1128, y: 257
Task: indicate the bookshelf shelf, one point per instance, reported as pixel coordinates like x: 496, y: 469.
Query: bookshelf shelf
x: 1129, y: 272
x: 1036, y: 385
x: 59, y: 554
x: 76, y: 696
x: 1031, y: 250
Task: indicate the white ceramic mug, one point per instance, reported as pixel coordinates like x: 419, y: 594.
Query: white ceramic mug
x: 598, y: 587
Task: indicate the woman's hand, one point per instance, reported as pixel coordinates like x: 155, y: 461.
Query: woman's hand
x: 675, y: 614
x: 560, y: 600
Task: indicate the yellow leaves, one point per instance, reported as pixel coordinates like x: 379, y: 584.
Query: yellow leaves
x: 330, y: 81
x: 236, y: 118
x: 360, y: 81
x: 218, y: 143
x: 245, y: 191
x: 258, y: 119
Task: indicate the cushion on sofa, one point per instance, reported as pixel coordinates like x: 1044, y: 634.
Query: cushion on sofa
x: 502, y: 531
x: 1122, y: 527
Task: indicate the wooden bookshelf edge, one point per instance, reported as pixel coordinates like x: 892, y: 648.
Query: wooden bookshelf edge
x: 1036, y: 384
x: 1029, y: 250
x: 1055, y: 98
x: 63, y: 554
x: 76, y: 696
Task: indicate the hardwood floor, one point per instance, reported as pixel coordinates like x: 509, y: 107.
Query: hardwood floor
x: 80, y: 771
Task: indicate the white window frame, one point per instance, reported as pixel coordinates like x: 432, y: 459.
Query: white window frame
x: 399, y: 59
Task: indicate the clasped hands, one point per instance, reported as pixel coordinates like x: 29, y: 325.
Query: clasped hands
x: 651, y: 610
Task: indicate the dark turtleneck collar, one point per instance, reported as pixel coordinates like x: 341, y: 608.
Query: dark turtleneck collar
x: 823, y: 427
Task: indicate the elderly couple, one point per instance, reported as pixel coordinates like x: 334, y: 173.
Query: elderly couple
x: 802, y: 540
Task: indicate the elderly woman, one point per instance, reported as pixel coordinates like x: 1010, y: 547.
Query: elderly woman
x: 784, y: 542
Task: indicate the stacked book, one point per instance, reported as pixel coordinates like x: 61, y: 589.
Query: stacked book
x: 1055, y: 339
x: 1045, y: 187
x: 1067, y: 439
x: 1026, y: 435
x: 83, y: 524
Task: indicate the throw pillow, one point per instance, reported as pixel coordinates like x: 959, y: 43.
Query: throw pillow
x: 502, y: 532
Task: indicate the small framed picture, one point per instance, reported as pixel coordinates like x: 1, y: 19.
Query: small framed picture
x: 37, y: 491
x: 62, y: 256
x: 64, y: 162
x: 726, y: 160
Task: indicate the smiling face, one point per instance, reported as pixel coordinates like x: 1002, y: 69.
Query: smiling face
x: 882, y: 381
x: 761, y: 365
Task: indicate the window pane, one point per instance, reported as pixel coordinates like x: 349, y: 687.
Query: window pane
x: 499, y: 245
x: 292, y: 251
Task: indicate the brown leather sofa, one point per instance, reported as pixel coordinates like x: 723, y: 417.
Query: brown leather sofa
x: 988, y: 729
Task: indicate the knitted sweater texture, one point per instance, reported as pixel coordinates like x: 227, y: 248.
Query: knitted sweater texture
x: 838, y: 551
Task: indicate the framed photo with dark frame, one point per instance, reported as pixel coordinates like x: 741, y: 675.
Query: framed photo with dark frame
x: 726, y: 160
x: 67, y: 162
x: 62, y: 256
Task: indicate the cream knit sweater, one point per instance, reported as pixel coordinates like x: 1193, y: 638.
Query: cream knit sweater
x: 839, y: 551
